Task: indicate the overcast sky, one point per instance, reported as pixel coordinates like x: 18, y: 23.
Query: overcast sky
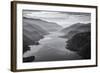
x: 62, y: 18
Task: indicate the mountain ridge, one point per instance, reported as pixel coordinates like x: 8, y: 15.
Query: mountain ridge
x: 76, y: 28
x: 48, y: 26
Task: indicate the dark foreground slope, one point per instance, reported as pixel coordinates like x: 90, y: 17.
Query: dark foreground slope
x: 79, y: 39
x: 81, y: 43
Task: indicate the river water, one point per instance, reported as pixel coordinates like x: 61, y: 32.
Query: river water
x: 52, y: 47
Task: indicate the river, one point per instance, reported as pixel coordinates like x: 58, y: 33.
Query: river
x: 52, y: 47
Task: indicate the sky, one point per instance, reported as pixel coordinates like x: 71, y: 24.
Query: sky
x: 63, y: 19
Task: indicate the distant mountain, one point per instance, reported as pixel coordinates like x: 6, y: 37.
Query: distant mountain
x: 31, y: 34
x: 48, y: 26
x: 76, y: 28
x: 35, y: 29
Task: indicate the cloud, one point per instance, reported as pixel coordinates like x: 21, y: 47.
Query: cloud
x: 46, y: 14
x: 61, y: 18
